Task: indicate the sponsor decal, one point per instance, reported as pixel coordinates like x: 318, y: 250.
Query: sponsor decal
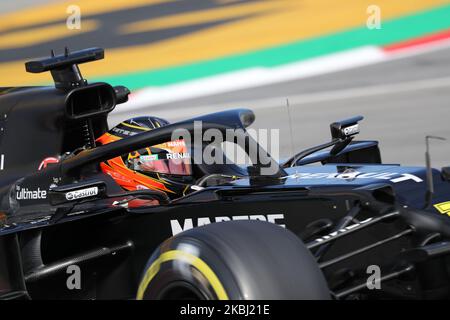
x: 352, y: 175
x: 151, y: 157
x: 190, y: 223
x: 122, y: 131
x: 83, y: 193
x: 176, y: 143
x: 343, y: 230
x: 180, y: 155
x: 443, y: 207
x: 27, y: 194
x: 167, y: 156
x: 197, y: 188
x: 352, y: 130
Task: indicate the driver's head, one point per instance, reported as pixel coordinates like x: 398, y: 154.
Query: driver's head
x: 163, y: 167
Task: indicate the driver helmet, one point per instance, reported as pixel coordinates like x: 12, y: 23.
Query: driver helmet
x: 165, y: 167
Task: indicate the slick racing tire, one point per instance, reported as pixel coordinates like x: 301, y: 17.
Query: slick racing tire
x: 236, y: 260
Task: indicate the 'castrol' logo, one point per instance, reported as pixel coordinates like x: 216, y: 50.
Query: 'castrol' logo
x: 80, y: 194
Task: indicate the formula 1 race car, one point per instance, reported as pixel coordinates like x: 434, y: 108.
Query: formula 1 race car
x: 332, y: 222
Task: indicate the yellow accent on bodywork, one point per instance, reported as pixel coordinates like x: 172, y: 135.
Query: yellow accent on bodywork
x: 443, y: 207
x: 194, y: 261
x: 135, y: 127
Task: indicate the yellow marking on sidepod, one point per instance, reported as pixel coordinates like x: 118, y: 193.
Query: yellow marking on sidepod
x: 443, y: 207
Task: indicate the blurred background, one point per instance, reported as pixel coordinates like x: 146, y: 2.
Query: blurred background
x: 388, y: 60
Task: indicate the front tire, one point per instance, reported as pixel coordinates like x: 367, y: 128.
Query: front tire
x: 238, y: 260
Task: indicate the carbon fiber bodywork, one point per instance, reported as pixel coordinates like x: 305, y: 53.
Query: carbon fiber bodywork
x: 43, y: 231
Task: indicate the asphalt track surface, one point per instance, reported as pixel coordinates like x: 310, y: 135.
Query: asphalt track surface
x: 402, y: 101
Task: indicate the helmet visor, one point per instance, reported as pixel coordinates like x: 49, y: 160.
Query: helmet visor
x: 166, y: 158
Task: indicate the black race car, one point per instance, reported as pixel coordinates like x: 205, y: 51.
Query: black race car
x: 332, y: 222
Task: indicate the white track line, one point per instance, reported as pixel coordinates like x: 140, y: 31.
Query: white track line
x: 253, y: 77
x: 309, y: 98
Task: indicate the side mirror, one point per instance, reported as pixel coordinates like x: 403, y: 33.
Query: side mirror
x: 343, y: 132
x: 345, y: 128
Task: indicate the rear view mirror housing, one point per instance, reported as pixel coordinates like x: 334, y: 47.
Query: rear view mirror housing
x: 346, y: 128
